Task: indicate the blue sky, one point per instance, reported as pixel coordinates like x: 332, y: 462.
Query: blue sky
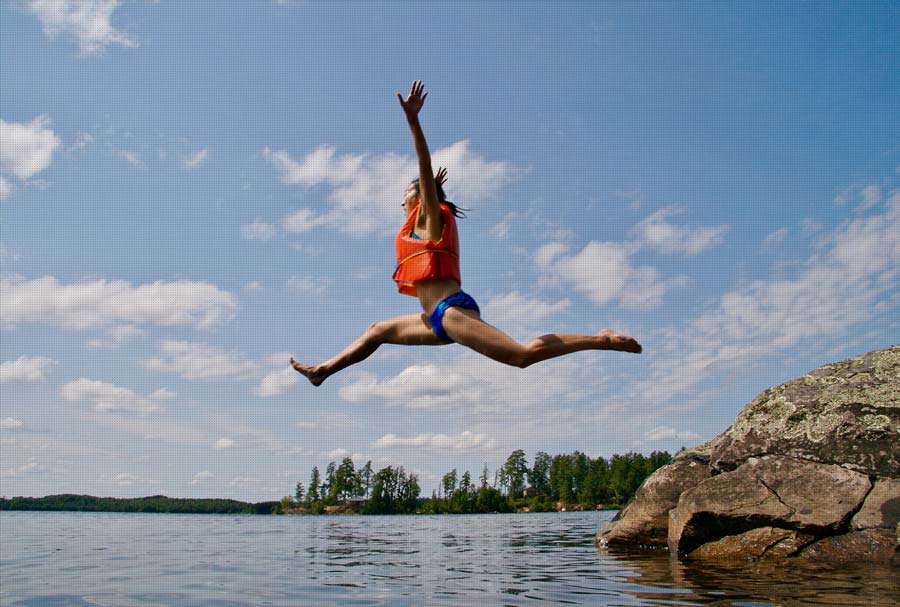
x: 192, y: 192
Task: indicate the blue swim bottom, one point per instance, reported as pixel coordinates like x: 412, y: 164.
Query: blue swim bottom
x: 457, y: 300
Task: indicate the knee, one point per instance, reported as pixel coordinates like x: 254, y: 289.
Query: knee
x: 377, y: 332
x: 522, y: 358
x: 527, y: 355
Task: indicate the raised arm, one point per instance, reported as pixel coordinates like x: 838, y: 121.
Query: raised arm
x: 429, y: 207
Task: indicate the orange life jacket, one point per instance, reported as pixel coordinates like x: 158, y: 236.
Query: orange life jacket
x: 423, y: 259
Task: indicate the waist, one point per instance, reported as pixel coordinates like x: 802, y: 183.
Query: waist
x: 431, y: 292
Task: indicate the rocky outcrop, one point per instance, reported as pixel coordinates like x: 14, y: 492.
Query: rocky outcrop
x: 809, y: 469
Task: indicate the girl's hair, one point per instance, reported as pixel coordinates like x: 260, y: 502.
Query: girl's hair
x: 442, y: 198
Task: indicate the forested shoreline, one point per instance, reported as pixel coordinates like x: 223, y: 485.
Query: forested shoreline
x: 151, y: 504
x: 550, y: 483
x: 561, y: 482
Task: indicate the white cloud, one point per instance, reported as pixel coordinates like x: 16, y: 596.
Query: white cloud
x: 5, y: 188
x: 503, y: 228
x: 302, y: 220
x: 661, y: 433
x: 604, y: 272
x: 11, y: 423
x: 195, y: 160
x: 26, y: 148
x: 335, y: 454
x: 87, y: 20
x: 480, y: 385
x: 117, y: 336
x: 417, y: 387
x: 82, y: 141
x: 657, y: 232
x: 244, y: 480
x: 871, y: 196
x: 775, y: 237
x: 129, y: 157
x: 278, y: 382
x: 366, y: 190
x: 224, y: 443
x: 253, y: 285
x: 100, y: 302
x: 466, y: 441
x: 851, y: 278
x: 194, y: 360
x: 201, y: 477
x: 124, y: 479
x: 309, y: 285
x: 160, y: 427
x: 24, y: 370
x: 864, y: 198
x: 520, y: 315
x: 109, y: 397
x: 258, y: 230
x: 22, y: 470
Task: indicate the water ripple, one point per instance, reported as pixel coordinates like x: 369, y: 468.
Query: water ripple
x: 124, y: 560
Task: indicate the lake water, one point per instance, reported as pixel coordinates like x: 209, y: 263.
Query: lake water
x: 50, y: 559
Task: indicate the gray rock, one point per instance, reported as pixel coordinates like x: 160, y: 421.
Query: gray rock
x: 771, y: 491
x: 868, y: 545
x: 846, y: 413
x: 881, y: 508
x: 756, y: 544
x: 809, y: 469
x: 645, y: 520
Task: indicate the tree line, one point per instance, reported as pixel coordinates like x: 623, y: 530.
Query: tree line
x: 154, y: 503
x: 549, y: 483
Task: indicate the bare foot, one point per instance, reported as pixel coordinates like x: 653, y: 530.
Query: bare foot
x: 622, y: 343
x: 313, y: 374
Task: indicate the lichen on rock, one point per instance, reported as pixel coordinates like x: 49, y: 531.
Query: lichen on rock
x: 809, y: 469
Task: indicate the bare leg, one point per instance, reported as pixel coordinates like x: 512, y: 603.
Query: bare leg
x: 408, y: 330
x: 467, y: 328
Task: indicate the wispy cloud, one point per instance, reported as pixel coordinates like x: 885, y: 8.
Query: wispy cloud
x: 522, y: 316
x: 193, y: 360
x: 24, y: 370
x: 109, y: 397
x: 278, y: 382
x: 11, y: 423
x: 604, y: 272
x: 366, y: 189
x: 465, y: 441
x: 843, y: 283
x: 195, y: 160
x: 658, y: 232
x: 88, y: 21
x: 26, y: 149
x: 258, y: 230
x: 469, y: 382
x: 97, y: 303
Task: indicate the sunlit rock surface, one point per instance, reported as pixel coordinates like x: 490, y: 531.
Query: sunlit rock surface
x: 809, y: 469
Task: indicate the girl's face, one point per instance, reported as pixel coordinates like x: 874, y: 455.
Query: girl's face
x: 410, y: 198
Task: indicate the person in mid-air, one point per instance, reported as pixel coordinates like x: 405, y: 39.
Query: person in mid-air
x: 427, y: 247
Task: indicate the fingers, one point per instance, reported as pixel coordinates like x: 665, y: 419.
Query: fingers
x: 417, y: 89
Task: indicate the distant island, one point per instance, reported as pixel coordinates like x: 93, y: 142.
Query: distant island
x: 559, y: 483
x: 154, y: 503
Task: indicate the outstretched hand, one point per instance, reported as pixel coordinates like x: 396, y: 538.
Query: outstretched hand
x: 416, y: 99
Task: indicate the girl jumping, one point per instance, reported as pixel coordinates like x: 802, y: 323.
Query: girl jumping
x: 427, y: 247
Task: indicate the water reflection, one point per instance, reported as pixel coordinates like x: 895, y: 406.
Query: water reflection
x: 498, y: 560
x: 747, y: 583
